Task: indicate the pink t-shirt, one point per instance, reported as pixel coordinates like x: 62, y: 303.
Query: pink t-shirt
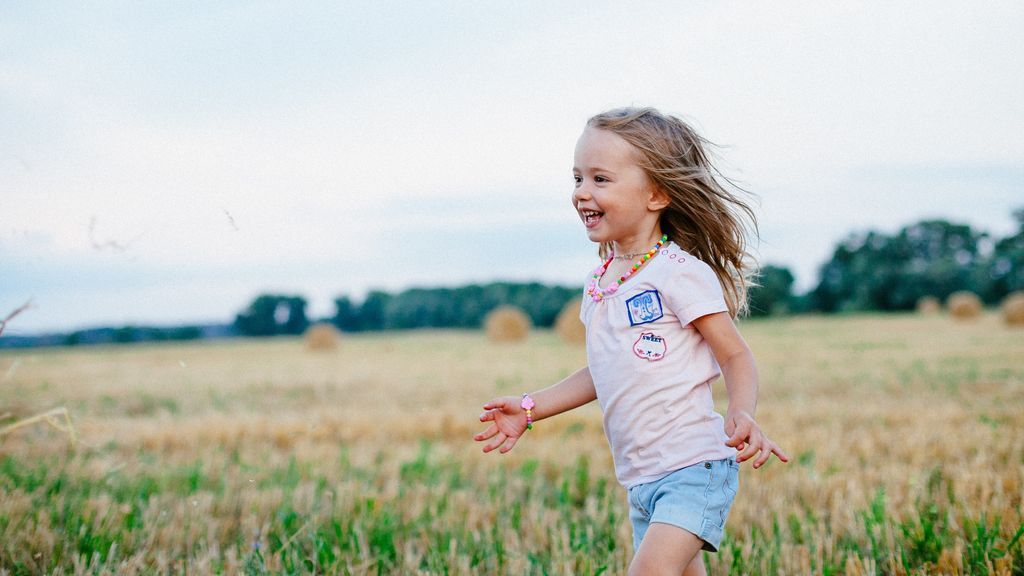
x: 653, y: 370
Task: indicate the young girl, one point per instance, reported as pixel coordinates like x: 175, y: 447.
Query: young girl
x: 659, y: 315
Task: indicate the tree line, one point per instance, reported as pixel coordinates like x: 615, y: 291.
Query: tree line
x: 867, y: 271
x: 460, y: 307
x: 876, y: 271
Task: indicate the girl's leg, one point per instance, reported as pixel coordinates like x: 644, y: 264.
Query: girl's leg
x: 666, y: 549
x: 696, y: 567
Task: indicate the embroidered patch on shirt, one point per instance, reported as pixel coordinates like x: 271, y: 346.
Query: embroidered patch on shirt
x: 650, y: 346
x: 644, y: 307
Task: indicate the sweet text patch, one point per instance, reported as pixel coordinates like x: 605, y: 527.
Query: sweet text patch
x: 650, y: 346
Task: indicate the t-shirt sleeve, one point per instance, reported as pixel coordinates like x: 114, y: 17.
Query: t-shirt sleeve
x: 695, y: 291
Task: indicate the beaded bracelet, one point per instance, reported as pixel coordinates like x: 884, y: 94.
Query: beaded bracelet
x: 528, y: 404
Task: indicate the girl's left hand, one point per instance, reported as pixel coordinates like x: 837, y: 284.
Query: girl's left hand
x: 748, y: 439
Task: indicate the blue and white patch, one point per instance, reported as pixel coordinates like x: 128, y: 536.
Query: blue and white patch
x: 644, y: 307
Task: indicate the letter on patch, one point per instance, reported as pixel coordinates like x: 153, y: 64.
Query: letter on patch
x: 644, y: 307
x: 650, y: 346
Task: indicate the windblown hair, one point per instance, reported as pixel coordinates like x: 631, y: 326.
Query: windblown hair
x: 704, y: 217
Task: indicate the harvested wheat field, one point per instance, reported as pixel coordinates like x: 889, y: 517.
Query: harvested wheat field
x: 906, y: 434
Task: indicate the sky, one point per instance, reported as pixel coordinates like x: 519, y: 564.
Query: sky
x: 164, y: 163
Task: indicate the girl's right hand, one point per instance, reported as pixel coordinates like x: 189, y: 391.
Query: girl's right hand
x: 508, y: 422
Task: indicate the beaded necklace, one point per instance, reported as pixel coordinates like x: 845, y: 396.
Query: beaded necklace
x: 597, y: 293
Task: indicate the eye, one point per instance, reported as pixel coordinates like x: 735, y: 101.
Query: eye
x: 600, y: 179
x: 577, y: 178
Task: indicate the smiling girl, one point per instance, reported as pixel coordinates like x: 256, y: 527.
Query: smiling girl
x: 659, y: 314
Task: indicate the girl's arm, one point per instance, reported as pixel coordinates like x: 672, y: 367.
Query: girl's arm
x: 740, y: 373
x: 508, y: 420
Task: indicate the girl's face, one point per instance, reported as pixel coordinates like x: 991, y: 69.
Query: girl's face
x: 614, y: 197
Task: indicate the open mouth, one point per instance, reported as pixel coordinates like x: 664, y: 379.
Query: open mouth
x: 591, y: 217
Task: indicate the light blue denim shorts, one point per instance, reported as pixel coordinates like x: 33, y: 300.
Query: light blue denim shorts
x: 696, y: 498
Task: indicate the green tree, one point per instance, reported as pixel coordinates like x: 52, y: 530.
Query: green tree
x: 296, y: 321
x: 1006, y: 266
x: 774, y: 292
x: 346, y: 315
x: 126, y: 334
x: 185, y: 333
x: 272, y: 314
x: 875, y: 271
x: 374, y: 313
x: 462, y: 307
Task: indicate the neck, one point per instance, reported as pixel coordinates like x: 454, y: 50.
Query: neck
x: 639, y: 244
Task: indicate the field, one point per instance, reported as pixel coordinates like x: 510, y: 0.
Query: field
x: 258, y: 456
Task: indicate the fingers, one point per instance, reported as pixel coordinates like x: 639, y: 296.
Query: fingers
x: 508, y: 444
x: 750, y: 442
x: 504, y: 441
x: 488, y: 433
x: 754, y: 442
x: 741, y: 431
x: 736, y: 440
x: 767, y: 448
x: 498, y: 441
x: 496, y: 404
x: 779, y: 453
x: 766, y: 453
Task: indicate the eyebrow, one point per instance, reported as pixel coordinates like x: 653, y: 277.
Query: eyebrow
x: 594, y: 169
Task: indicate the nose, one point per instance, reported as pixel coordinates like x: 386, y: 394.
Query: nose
x: 581, y: 192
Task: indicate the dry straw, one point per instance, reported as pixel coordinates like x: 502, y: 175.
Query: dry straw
x: 51, y: 417
x: 568, y: 324
x: 507, y: 324
x: 929, y: 305
x: 964, y: 305
x: 1013, y: 309
x: 322, y: 337
x: 19, y: 310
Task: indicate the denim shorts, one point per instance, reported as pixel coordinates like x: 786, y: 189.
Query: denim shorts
x: 696, y: 498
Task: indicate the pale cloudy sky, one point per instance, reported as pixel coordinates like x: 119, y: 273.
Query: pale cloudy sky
x: 229, y: 149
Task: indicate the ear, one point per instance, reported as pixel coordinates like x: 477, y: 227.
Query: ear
x: 659, y: 199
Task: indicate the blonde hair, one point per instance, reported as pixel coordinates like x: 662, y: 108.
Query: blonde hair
x: 704, y: 217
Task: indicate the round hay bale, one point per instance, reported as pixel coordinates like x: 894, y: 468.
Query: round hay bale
x: 507, y: 324
x: 964, y: 305
x: 568, y: 324
x: 322, y: 336
x: 1013, y: 309
x: 929, y: 305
